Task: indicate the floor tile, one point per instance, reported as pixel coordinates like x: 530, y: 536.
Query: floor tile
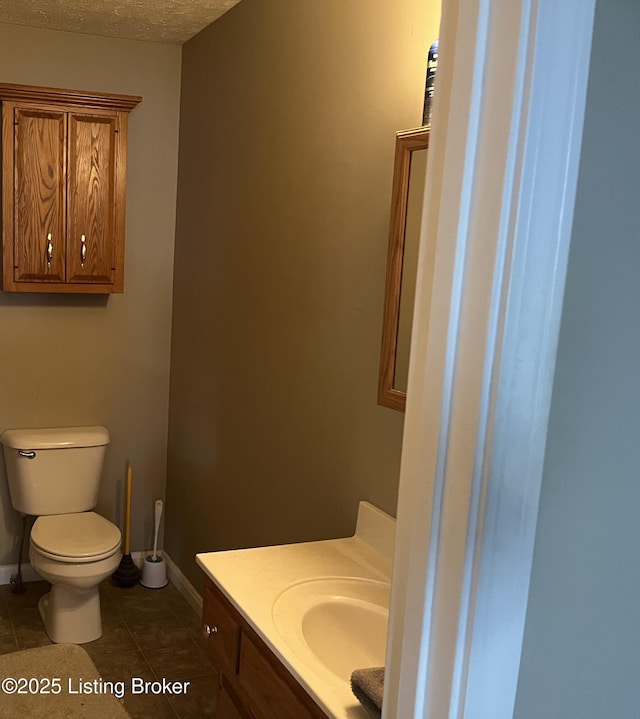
x: 177, y: 602
x: 122, y: 666
x: 116, y: 638
x: 148, y: 706
x: 4, y: 610
x: 27, y: 620
x: 28, y: 598
x: 154, y: 633
x: 187, y: 615
x: 199, y: 702
x: 30, y: 641
x: 139, y: 603
x: 139, y: 611
x: 8, y: 644
x: 6, y: 627
x: 184, y: 661
x: 147, y: 633
x: 195, y: 631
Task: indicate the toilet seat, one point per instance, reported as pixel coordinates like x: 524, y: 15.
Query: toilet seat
x: 75, y: 538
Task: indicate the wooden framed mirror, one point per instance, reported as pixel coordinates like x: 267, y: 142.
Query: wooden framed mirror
x: 404, y: 235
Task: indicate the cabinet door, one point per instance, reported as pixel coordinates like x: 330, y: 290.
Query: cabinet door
x: 223, y: 642
x: 273, y: 692
x: 39, y: 201
x: 228, y: 708
x: 91, y: 188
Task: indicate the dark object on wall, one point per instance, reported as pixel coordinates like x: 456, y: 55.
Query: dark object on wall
x: 432, y: 65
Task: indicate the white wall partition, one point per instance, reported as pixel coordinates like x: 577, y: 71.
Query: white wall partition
x: 501, y: 182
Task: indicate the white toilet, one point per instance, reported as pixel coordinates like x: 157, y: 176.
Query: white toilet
x: 55, y: 474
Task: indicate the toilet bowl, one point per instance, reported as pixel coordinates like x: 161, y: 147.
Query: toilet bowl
x: 54, y: 474
x: 74, y: 552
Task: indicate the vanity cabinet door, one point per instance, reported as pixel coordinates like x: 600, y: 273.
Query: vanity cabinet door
x: 254, y: 684
x: 228, y: 707
x: 221, y: 629
x: 270, y: 687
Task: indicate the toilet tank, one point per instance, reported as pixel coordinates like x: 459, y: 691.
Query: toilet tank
x: 54, y: 471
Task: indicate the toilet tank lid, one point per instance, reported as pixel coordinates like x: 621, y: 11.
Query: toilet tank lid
x: 55, y: 437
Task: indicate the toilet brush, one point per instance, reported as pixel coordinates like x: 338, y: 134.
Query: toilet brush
x: 127, y: 574
x: 154, y: 570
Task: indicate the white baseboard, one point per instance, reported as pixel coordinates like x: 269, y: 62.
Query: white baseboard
x: 175, y: 576
x: 7, y: 571
x: 183, y: 585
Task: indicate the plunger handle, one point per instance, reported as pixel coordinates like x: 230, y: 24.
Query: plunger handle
x: 127, y: 513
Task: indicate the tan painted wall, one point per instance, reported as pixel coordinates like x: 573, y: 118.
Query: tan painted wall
x: 288, y: 119
x: 85, y: 360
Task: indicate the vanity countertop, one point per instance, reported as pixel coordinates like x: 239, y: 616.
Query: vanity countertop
x: 253, y: 579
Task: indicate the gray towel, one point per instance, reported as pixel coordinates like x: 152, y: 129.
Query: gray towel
x: 368, y: 686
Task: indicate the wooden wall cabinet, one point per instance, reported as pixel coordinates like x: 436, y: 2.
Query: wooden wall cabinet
x: 254, y: 684
x: 63, y: 189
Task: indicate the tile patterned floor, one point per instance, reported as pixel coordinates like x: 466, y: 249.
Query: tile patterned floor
x: 148, y: 633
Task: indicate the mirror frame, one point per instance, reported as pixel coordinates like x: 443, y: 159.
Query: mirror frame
x: 406, y: 142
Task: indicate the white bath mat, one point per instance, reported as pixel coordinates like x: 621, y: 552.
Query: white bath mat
x: 55, y: 682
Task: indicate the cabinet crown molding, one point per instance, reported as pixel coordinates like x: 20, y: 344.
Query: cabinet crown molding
x: 79, y: 98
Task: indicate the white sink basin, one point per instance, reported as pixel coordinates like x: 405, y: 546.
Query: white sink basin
x: 335, y: 624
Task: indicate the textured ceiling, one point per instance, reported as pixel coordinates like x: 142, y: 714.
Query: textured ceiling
x: 173, y: 21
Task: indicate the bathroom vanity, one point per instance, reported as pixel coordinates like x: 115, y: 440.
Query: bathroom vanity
x: 253, y: 683
x: 286, y: 625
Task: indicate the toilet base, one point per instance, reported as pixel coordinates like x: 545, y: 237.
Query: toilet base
x: 70, y: 616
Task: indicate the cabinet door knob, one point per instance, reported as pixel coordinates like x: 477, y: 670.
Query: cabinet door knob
x: 83, y: 250
x: 49, y: 250
x: 208, y: 630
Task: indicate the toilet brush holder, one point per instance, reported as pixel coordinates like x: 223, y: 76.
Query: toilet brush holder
x: 154, y: 573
